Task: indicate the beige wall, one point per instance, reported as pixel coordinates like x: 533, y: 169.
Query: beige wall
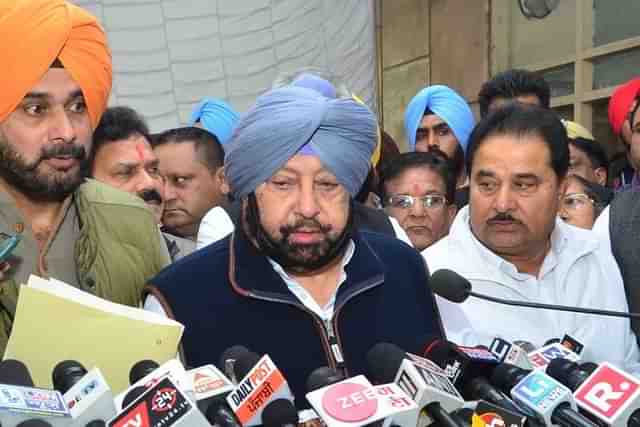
x: 425, y: 42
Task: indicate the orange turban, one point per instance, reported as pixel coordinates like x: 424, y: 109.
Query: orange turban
x: 33, y: 33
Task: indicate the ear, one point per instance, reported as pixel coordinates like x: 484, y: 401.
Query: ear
x: 452, y: 210
x: 221, y: 180
x: 562, y: 186
x: 601, y: 175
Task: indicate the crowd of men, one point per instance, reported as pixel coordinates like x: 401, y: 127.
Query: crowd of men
x: 298, y: 226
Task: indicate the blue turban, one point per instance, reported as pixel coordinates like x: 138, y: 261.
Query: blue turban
x: 446, y: 104
x: 341, y: 132
x: 217, y: 117
x: 316, y: 83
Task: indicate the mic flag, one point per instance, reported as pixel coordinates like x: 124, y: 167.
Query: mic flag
x: 541, y: 357
x: 262, y: 384
x: 610, y: 394
x: 354, y: 402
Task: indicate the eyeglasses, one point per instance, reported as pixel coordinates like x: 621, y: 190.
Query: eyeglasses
x: 577, y: 201
x: 404, y: 201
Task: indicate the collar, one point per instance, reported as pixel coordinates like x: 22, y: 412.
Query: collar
x: 251, y: 273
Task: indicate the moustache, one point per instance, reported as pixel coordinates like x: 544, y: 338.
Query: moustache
x: 150, y: 196
x: 501, y: 217
x: 307, y: 224
x: 70, y: 149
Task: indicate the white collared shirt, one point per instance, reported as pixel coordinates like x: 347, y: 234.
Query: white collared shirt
x: 326, y: 312
x: 578, y: 271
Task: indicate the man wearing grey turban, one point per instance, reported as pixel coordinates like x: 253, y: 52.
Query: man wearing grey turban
x: 296, y: 280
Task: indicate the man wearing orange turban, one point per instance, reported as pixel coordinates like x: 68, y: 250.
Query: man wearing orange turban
x: 55, y: 82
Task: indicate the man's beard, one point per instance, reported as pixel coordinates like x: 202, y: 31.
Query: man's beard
x: 296, y: 257
x: 45, y: 186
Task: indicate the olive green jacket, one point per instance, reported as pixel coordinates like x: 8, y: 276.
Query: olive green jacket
x: 119, y: 249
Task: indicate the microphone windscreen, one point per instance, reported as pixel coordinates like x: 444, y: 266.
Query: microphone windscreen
x: 383, y: 362
x: 141, y: 369
x: 232, y: 353
x: 132, y: 395
x: 96, y: 423
x: 245, y: 363
x: 36, y: 422
x: 279, y: 413
x: 14, y: 372
x: 525, y: 345
x: 450, y: 285
x: 505, y: 376
x: 66, y: 373
x: 560, y: 369
x: 322, y: 377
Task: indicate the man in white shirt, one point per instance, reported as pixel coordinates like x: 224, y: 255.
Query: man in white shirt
x: 509, y: 243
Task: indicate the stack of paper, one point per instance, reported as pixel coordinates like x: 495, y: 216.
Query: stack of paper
x: 55, y: 321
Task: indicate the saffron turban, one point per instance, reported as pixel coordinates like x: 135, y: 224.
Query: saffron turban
x: 446, y: 104
x: 621, y: 102
x: 217, y: 117
x: 34, y: 33
x: 341, y: 132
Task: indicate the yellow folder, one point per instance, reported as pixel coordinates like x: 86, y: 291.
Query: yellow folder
x: 55, y: 322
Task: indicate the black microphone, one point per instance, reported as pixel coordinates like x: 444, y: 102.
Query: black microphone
x: 455, y: 288
x: 36, y: 422
x: 228, y: 359
x: 14, y: 372
x: 141, y: 369
x: 244, y: 364
x: 96, y: 423
x: 132, y: 395
x: 468, y: 369
x: 280, y: 413
x: 322, y: 377
x: 569, y: 373
x: 66, y: 373
x: 219, y: 414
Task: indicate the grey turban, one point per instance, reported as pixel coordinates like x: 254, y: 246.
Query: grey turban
x: 341, y: 132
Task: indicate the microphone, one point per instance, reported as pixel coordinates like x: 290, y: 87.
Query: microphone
x: 322, y: 377
x: 260, y: 383
x: 36, y: 422
x: 611, y: 395
x: 455, y: 288
x: 355, y: 402
x: 133, y: 394
x: 228, y: 360
x: 90, y: 398
x: 507, y: 352
x: 141, y: 369
x: 21, y: 403
x: 551, y: 401
x: 14, y: 372
x: 210, y: 389
x: 280, y: 413
x: 467, y: 367
x: 426, y: 385
x: 461, y: 364
x: 487, y: 414
x: 162, y: 404
x: 66, y: 373
x: 172, y: 367
x: 541, y: 357
x: 569, y: 373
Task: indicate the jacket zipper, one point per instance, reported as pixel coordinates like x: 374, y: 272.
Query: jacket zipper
x: 328, y: 330
x: 325, y: 335
x: 334, y: 337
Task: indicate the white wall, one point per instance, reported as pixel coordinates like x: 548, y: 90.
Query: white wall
x: 168, y: 54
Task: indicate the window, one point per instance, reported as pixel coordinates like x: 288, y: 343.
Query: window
x: 584, y: 49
